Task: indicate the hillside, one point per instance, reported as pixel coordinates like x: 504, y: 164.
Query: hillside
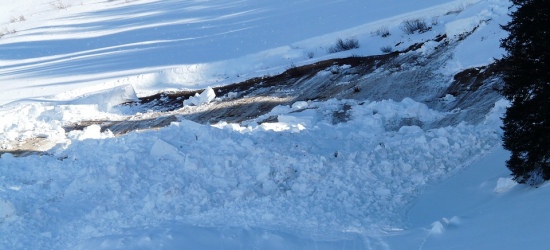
x: 213, y: 124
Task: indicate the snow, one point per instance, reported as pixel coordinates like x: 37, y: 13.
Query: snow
x: 504, y: 184
x: 107, y: 99
x: 386, y: 174
x: 90, y: 132
x: 461, y: 26
x: 207, y: 96
x: 140, y: 42
x: 7, y: 211
x: 333, y: 190
x: 485, y: 219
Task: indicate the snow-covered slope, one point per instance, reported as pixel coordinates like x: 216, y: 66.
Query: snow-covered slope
x: 89, y: 45
x: 346, y: 173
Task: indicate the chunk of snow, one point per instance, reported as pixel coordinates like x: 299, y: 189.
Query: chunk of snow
x: 455, y: 220
x: 449, y: 98
x: 107, y: 99
x: 90, y: 132
x: 437, y: 228
x: 280, y: 109
x: 282, y: 126
x: 304, y: 118
x: 494, y: 117
x: 504, y: 184
x: 409, y: 130
x: 299, y: 105
x: 207, y: 96
x: 7, y: 210
x: 163, y: 150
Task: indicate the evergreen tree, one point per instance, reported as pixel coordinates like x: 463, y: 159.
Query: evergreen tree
x: 526, y: 123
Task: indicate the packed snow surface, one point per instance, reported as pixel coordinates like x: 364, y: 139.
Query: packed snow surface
x: 336, y: 174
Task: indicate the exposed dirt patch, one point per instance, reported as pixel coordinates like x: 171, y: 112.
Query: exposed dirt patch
x: 248, y: 99
x: 472, y: 79
x: 268, y: 85
x: 29, y: 146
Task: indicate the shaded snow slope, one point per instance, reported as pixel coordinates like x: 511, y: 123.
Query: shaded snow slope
x: 480, y: 208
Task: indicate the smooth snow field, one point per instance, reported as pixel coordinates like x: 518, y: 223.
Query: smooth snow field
x: 395, y: 174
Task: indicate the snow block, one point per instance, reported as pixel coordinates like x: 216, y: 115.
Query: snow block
x: 107, y: 99
x: 91, y: 132
x: 299, y: 105
x: 7, y: 210
x: 437, y: 228
x: 163, y: 150
x: 207, y: 96
x: 504, y: 184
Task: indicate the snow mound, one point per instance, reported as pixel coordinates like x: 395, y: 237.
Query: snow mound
x: 30, y: 121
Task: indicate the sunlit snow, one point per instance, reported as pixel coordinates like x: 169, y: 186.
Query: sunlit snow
x: 393, y: 175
